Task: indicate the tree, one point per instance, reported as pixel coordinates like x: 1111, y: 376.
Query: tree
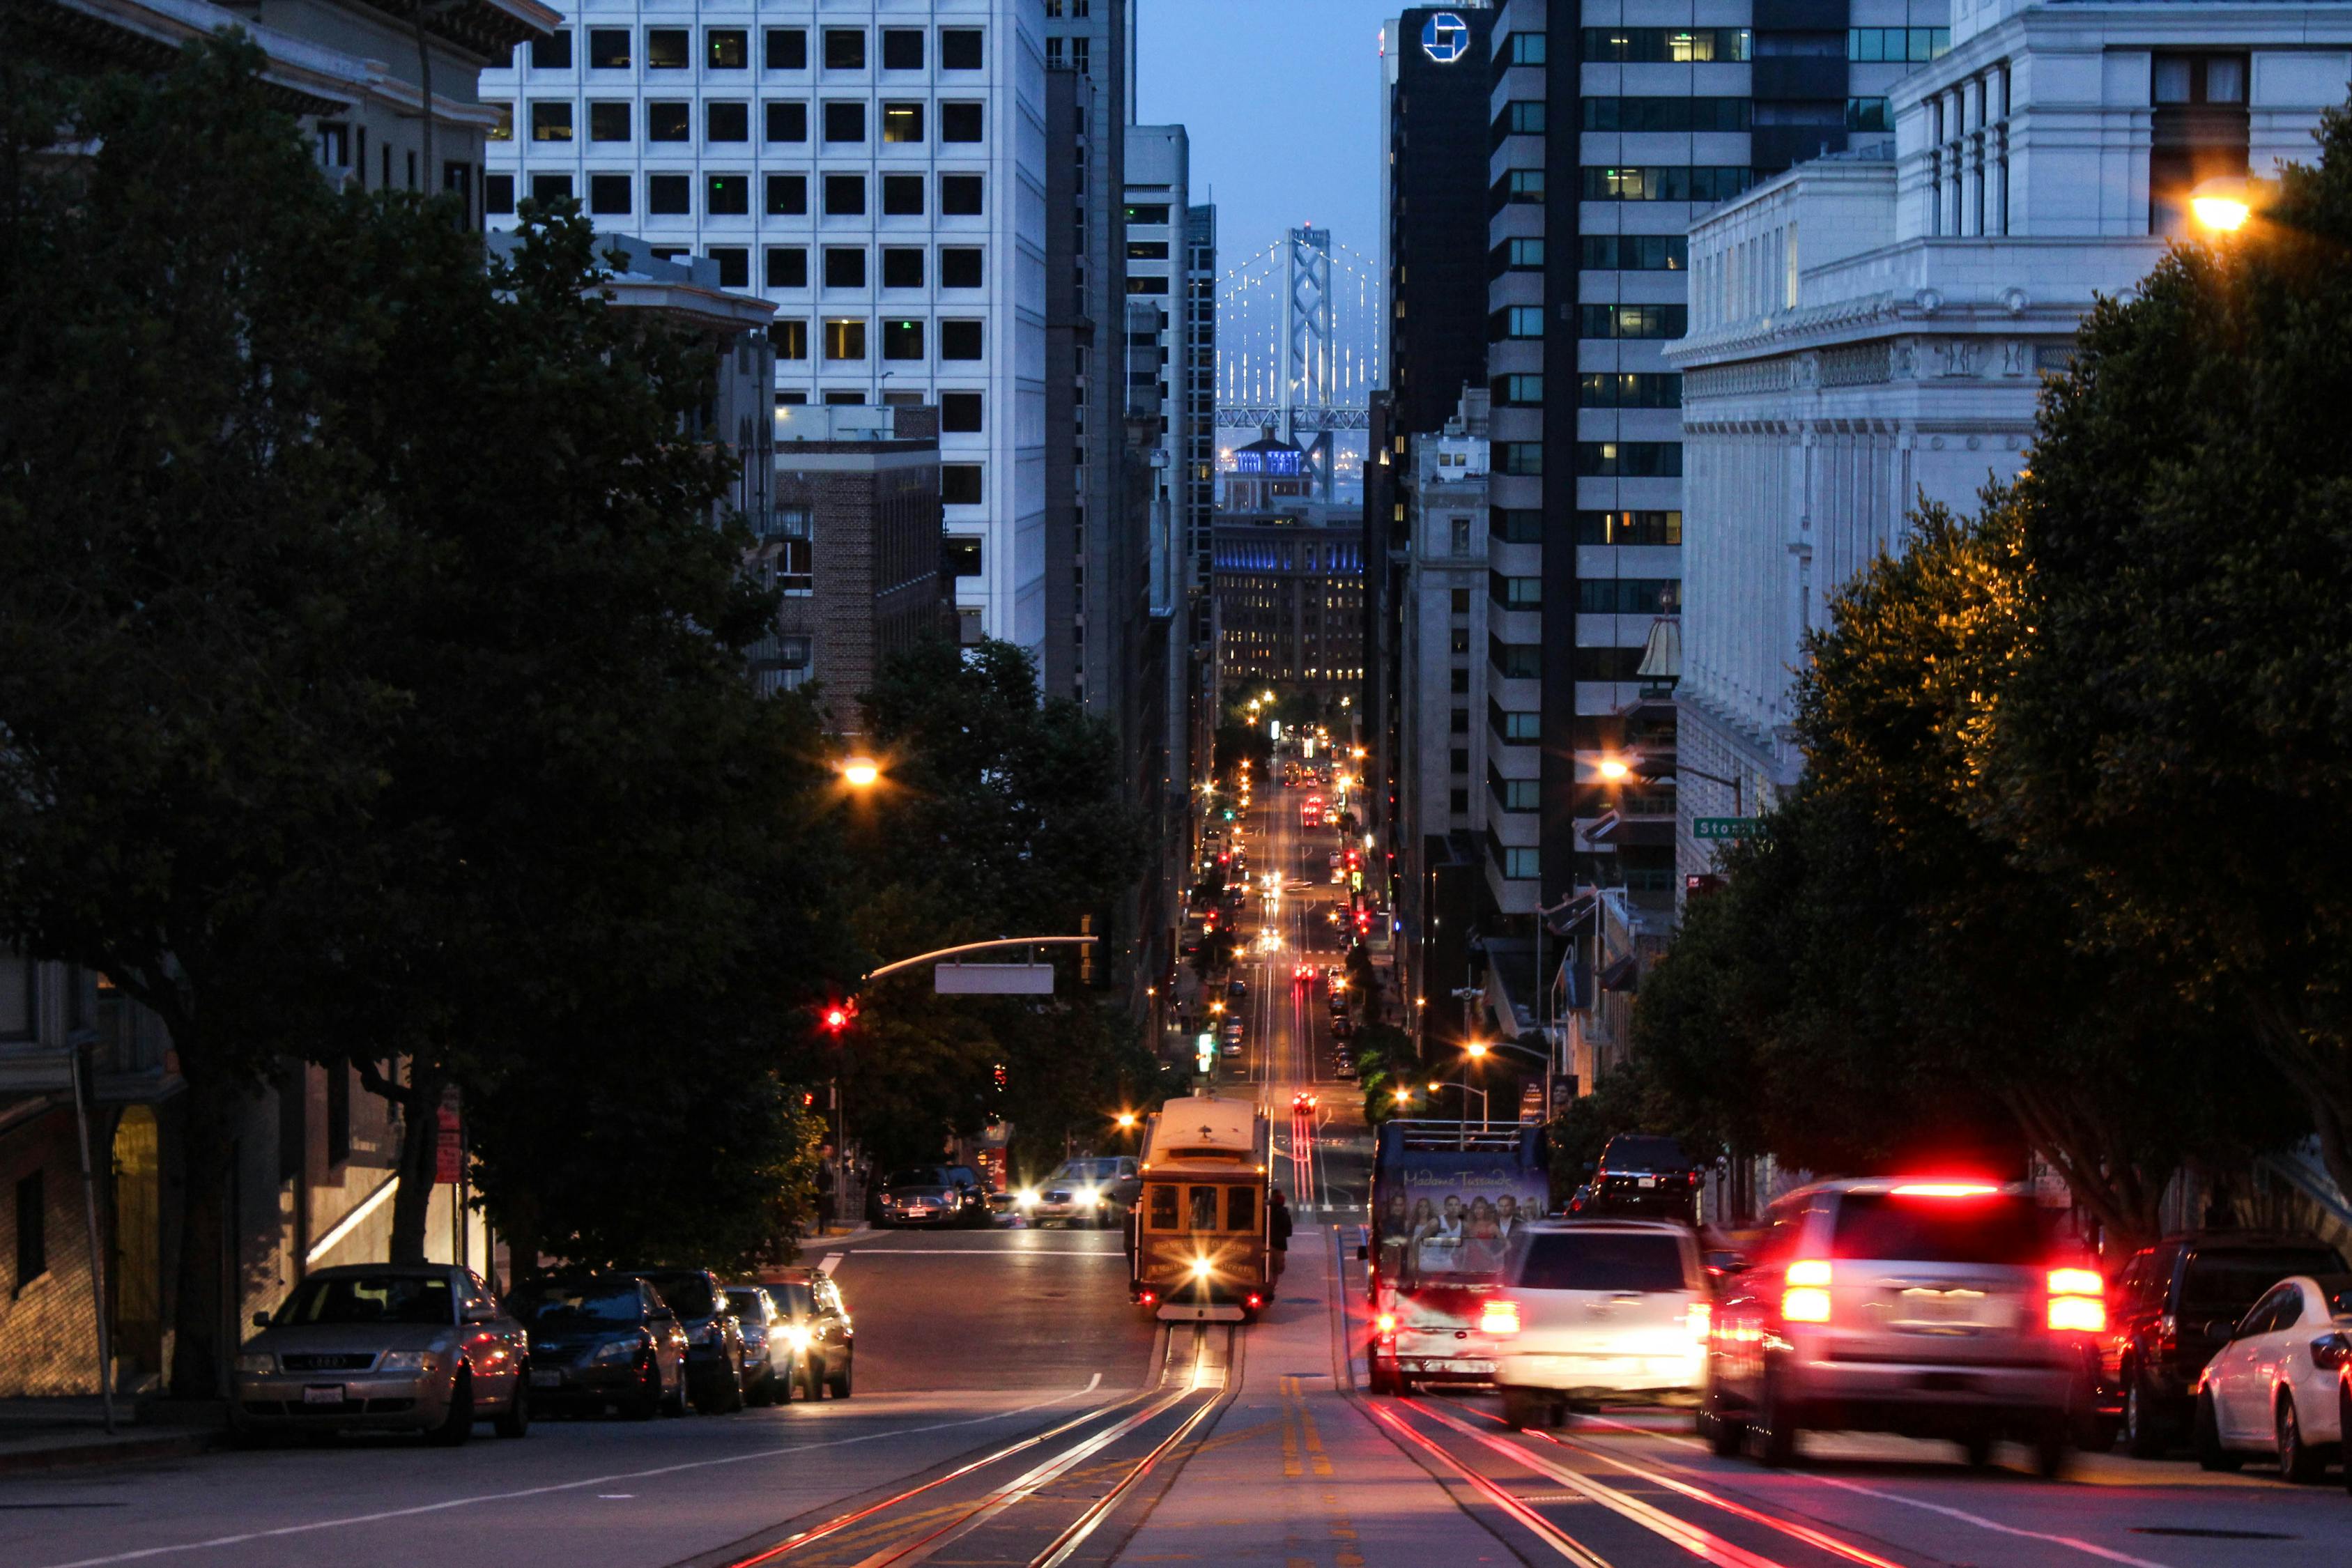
x: 2175, y: 742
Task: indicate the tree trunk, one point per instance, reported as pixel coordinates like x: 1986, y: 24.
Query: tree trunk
x: 199, y: 1310
x: 420, y: 1140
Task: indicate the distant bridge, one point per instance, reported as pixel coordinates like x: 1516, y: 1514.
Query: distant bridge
x: 1231, y: 416
x: 1298, y: 340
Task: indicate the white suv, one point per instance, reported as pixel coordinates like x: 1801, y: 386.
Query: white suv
x: 1598, y: 1312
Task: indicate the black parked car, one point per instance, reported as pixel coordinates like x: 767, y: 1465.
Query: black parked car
x: 714, y: 1335
x: 817, y: 1328
x: 1641, y: 1175
x: 768, y: 1360
x: 929, y: 1194
x: 600, y: 1340
x: 2172, y: 1306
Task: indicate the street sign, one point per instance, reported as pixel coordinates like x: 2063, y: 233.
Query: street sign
x: 1723, y: 827
x: 994, y: 979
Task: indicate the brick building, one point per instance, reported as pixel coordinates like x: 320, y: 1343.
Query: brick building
x: 854, y: 542
x: 1289, y: 604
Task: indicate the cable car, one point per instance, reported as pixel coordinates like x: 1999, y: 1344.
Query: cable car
x: 1197, y: 1240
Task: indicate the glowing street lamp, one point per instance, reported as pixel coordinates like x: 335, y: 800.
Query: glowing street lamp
x: 860, y: 771
x: 1614, y: 769
x: 1478, y: 1049
x: 2223, y: 205
x: 1125, y: 1120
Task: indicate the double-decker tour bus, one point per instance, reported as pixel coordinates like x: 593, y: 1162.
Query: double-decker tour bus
x: 1448, y: 1198
x: 1197, y: 1241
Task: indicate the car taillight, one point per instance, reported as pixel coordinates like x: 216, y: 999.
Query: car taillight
x: 1499, y: 1318
x: 1806, y: 1299
x: 1253, y: 1300
x: 2331, y: 1352
x: 1146, y: 1298
x: 2078, y: 1302
x: 1386, y: 1323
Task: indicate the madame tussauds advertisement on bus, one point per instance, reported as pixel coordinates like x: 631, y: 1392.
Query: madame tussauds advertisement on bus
x: 1449, y: 1220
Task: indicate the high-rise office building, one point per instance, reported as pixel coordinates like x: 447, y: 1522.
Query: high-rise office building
x: 872, y: 168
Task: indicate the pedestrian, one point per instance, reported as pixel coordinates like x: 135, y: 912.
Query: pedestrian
x: 1278, y: 1235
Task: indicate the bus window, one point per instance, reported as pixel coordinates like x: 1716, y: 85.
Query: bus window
x: 1204, y: 1208
x: 1164, y: 1206
x: 1241, y: 1208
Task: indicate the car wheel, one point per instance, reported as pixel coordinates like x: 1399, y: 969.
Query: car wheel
x: 2210, y: 1453
x: 2299, y: 1463
x: 762, y: 1391
x: 647, y: 1403
x: 730, y: 1392
x: 2144, y: 1435
x: 2344, y: 1424
x: 514, y: 1421
x: 838, y: 1385
x: 674, y: 1402
x: 811, y: 1385
x: 1521, y: 1410
x: 459, y: 1424
x: 1723, y: 1436
x: 2051, y: 1447
x: 1975, y: 1449
x: 1775, y: 1433
x: 1383, y: 1379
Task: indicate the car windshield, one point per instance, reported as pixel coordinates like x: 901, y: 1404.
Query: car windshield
x: 2224, y: 1284
x: 1602, y: 1261
x: 688, y: 1295
x: 562, y: 1302
x: 1085, y: 1170
x: 1993, y: 1229
x: 748, y: 1304
x: 918, y: 1177
x: 1644, y: 1155
x: 795, y: 1300
x: 371, y: 1298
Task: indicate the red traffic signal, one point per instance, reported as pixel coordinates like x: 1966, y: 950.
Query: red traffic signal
x: 837, y: 1017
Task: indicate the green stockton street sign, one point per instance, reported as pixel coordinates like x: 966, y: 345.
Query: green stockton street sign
x: 1723, y: 826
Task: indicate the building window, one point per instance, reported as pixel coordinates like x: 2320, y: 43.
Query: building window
x: 1521, y: 864
x: 1635, y: 253
x: 1520, y: 321
x: 669, y: 123
x: 787, y: 266
x: 727, y: 48
x: 1522, y: 117
x: 844, y: 196
x: 726, y: 122
x: 1520, y: 391
x: 1513, y: 593
x: 844, y: 49
x: 1629, y: 389
x: 786, y: 49
x: 1520, y: 185
x: 845, y: 267
x: 1523, y: 49
x: 1632, y: 320
x: 667, y: 49
x: 959, y: 553
x: 608, y: 194
x: 960, y: 196
x: 1520, y: 255
x: 1629, y: 528
x: 902, y: 266
x: 553, y: 52
x: 1516, y: 660
x: 727, y: 195
x: 32, y: 1230
x: 1524, y: 459
x: 551, y: 187
x: 959, y: 484
x: 608, y: 122
x: 902, y: 340
x: 1515, y: 524
x: 902, y: 123
x: 734, y: 264
x: 793, y: 658
x: 788, y: 195
x: 845, y: 122
x: 1663, y: 46
x: 959, y: 340
x: 959, y: 122
x: 960, y: 49
x: 335, y: 150
x: 902, y: 48
x: 1629, y: 460
x: 844, y: 342
x: 902, y: 195
x: 1515, y: 724
x: 551, y: 123
x: 1626, y: 595
x: 1902, y: 46
x: 790, y: 339
x: 960, y: 413
x: 1868, y: 114
x: 1459, y: 723
x: 497, y: 195
x: 787, y: 121
x: 1624, y: 114
x: 1457, y: 760
x: 960, y: 267
x: 608, y: 48
x: 1665, y: 182
x: 1514, y: 794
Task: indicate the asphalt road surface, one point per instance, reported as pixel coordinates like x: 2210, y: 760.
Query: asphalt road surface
x: 1011, y: 1409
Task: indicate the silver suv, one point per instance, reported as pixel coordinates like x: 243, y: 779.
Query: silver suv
x: 1598, y: 1312
x: 1927, y: 1307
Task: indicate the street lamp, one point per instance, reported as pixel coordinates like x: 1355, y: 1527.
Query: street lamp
x: 2223, y: 204
x: 1615, y: 769
x: 1476, y: 1048
x: 1125, y: 1120
x: 860, y: 771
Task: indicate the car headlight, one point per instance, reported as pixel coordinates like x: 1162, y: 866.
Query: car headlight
x: 406, y: 1361
x: 1026, y: 1198
x: 798, y: 1338
x: 615, y: 1352
x: 257, y: 1362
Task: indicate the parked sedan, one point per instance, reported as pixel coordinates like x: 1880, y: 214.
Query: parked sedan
x: 2279, y: 1386
x: 768, y: 1363
x: 385, y: 1347
x: 1097, y: 1192
x: 817, y: 1329
x: 599, y: 1339
x: 714, y: 1337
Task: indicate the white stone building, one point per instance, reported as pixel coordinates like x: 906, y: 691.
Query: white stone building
x: 874, y: 167
x: 1873, y: 326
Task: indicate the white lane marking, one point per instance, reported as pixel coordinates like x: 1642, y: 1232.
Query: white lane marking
x: 832, y: 1261
x: 614, y: 1497
x: 1965, y: 1517
x: 145, y: 1552
x: 1092, y: 1384
x: 983, y: 1252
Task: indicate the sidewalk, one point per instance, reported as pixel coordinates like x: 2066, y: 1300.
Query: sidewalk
x: 48, y: 1434
x: 1294, y: 1475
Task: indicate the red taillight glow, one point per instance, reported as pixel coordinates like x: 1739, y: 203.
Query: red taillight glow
x: 1253, y: 1300
x: 1386, y: 1323
x: 1146, y: 1298
x: 1946, y: 1189
x: 1499, y: 1318
x: 1702, y: 1318
x: 1807, y: 1297
x: 2078, y: 1302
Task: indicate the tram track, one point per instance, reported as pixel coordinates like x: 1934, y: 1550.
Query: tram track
x: 1068, y: 1494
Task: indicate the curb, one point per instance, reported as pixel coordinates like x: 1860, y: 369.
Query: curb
x: 120, y: 1451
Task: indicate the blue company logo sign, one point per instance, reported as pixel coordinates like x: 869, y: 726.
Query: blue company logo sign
x: 1444, y: 37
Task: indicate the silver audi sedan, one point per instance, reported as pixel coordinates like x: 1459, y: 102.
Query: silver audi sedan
x: 385, y: 1347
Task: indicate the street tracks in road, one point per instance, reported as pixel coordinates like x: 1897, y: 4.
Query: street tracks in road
x: 1069, y: 1494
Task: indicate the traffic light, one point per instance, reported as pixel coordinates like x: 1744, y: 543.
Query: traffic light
x: 1229, y: 814
x: 837, y: 1017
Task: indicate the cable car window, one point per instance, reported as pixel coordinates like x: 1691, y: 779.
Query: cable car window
x: 1204, y: 1208
x: 1241, y: 1208
x: 1164, y: 1206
